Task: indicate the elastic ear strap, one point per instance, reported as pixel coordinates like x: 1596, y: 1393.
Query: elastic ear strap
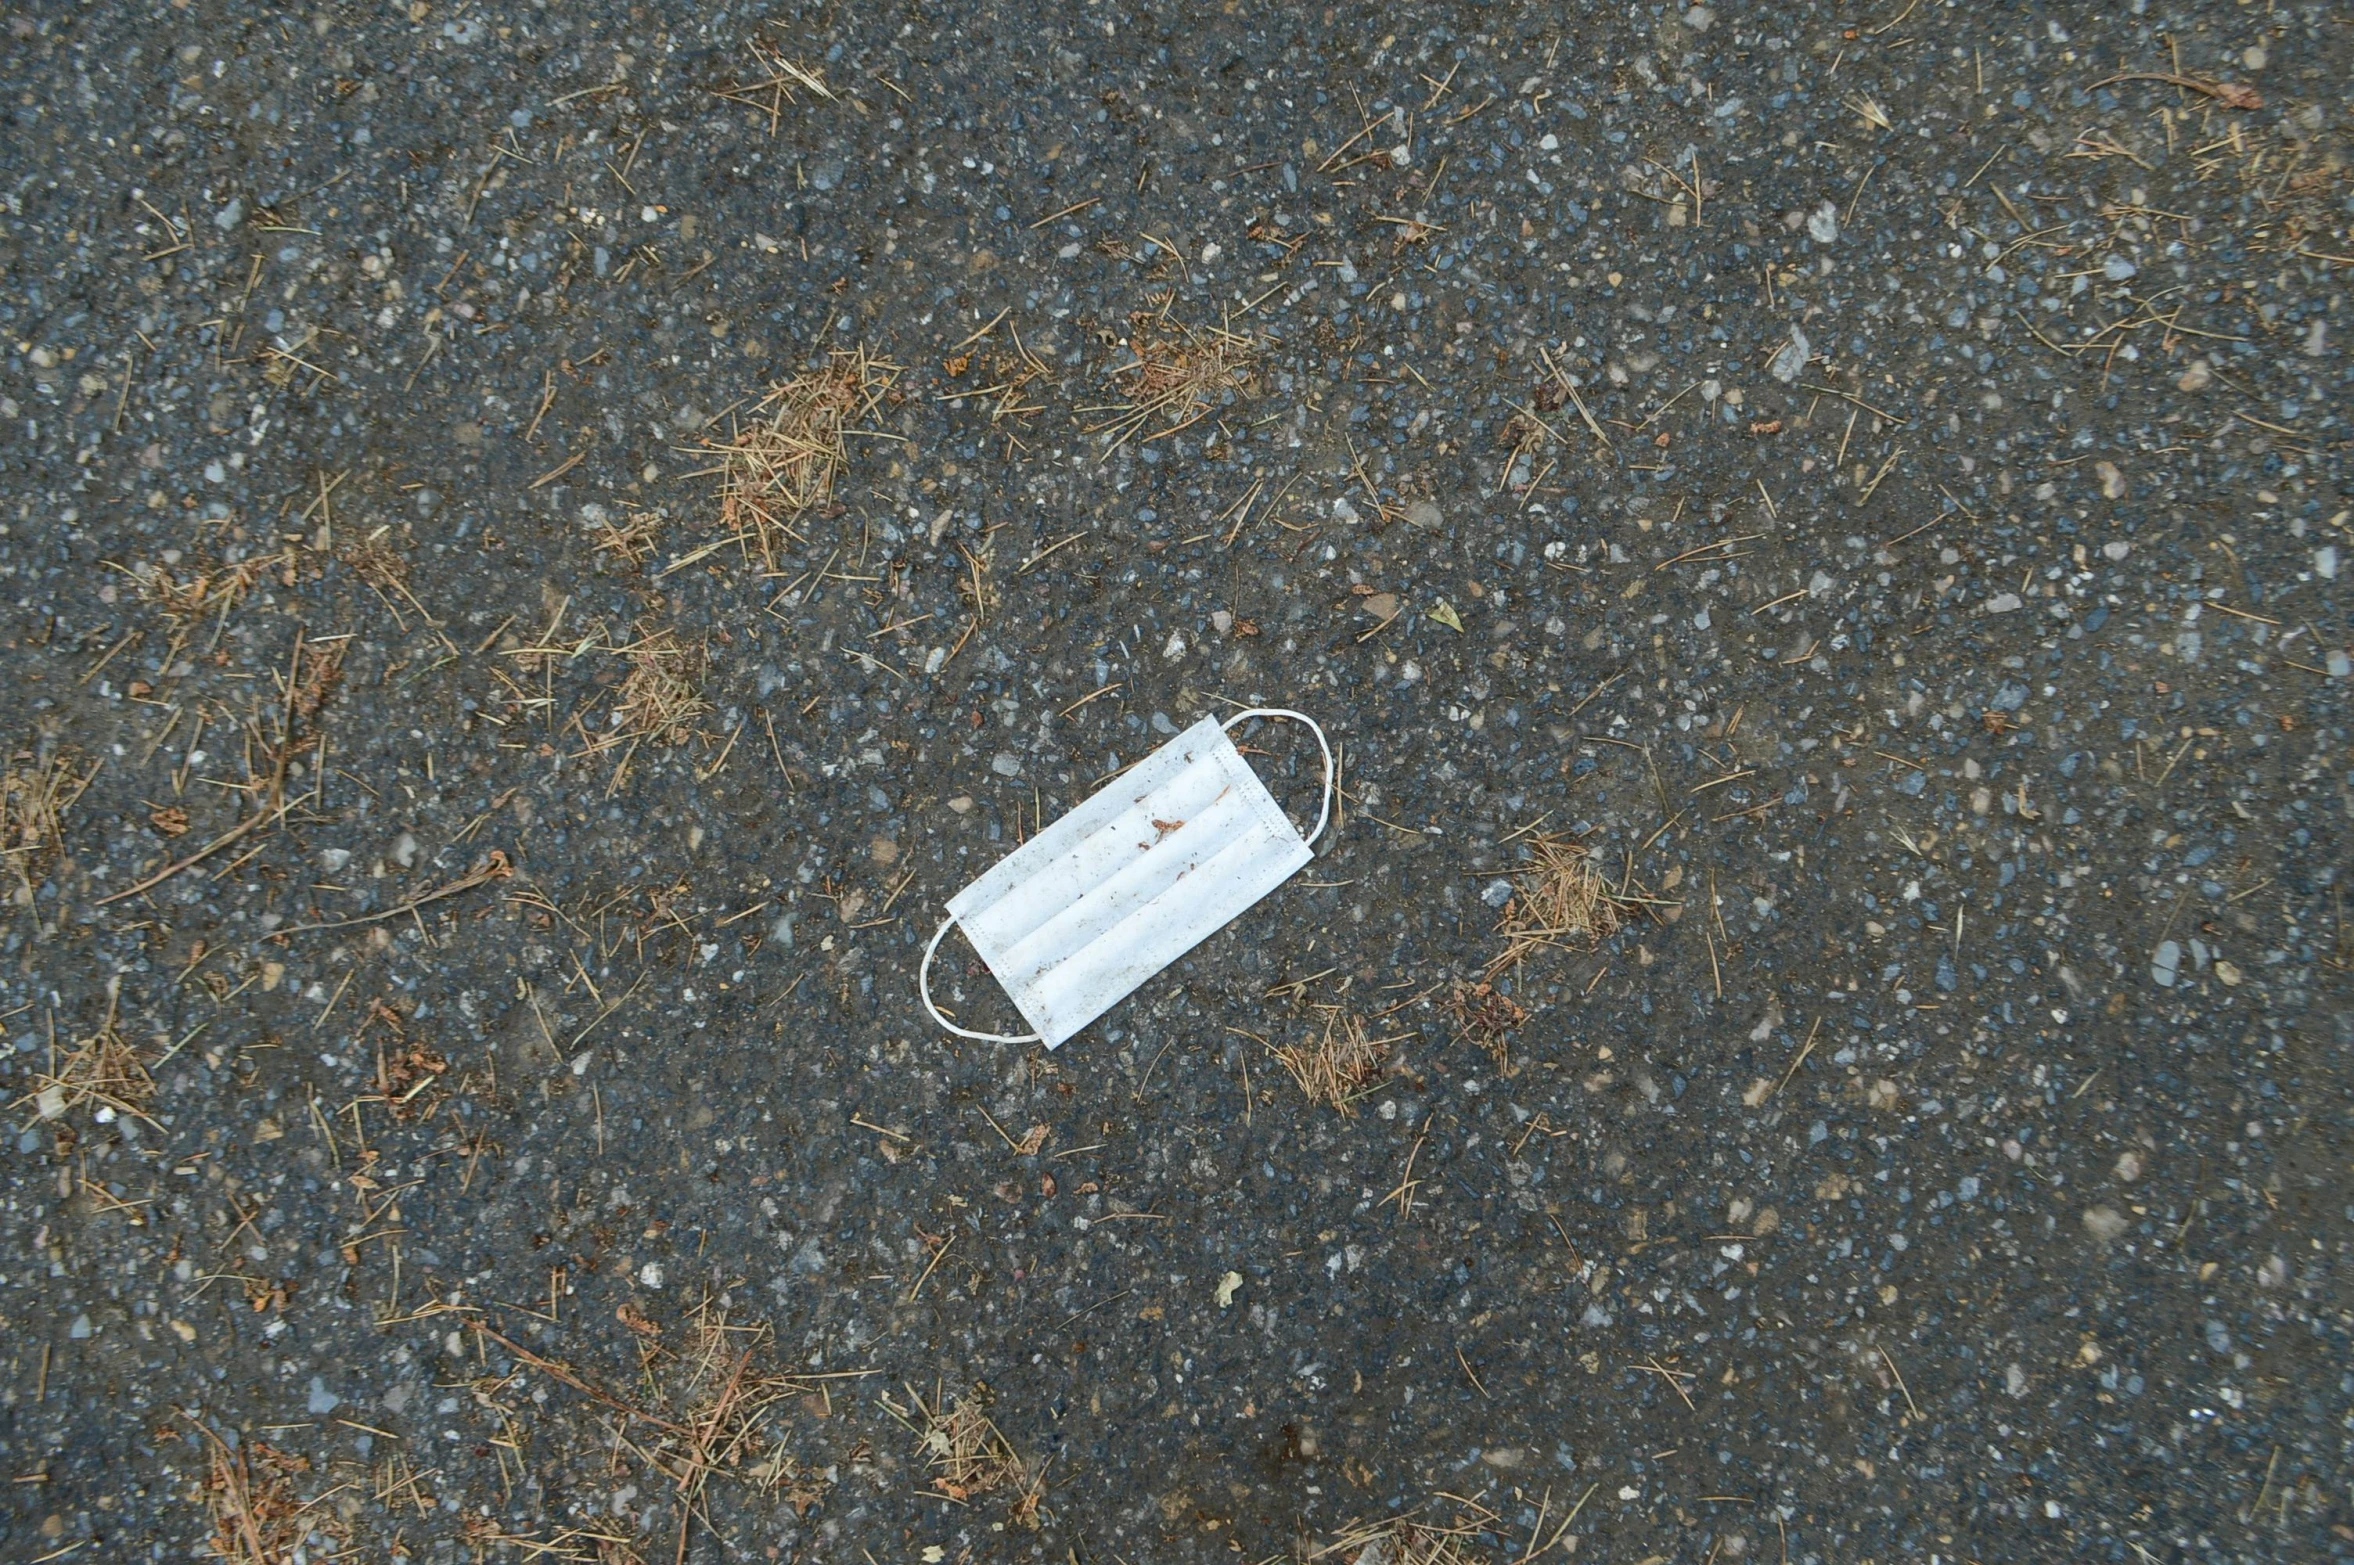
x: 1325, y: 813
x: 923, y: 986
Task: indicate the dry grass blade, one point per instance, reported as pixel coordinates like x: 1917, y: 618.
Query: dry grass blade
x: 1339, y: 1063
x: 784, y: 461
x: 1559, y: 897
x: 1870, y: 112
x: 970, y: 1455
x: 1174, y: 376
x: 35, y: 793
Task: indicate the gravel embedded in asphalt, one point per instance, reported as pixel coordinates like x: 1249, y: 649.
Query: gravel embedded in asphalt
x: 1878, y: 482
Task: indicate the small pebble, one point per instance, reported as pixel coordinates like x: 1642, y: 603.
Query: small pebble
x: 1790, y: 363
x: 2105, y: 1223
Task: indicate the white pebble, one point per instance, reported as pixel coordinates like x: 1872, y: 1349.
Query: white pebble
x: 2105, y: 1223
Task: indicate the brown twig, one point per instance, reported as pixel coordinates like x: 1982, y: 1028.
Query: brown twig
x: 2232, y: 95
x: 495, y: 867
x: 273, y: 809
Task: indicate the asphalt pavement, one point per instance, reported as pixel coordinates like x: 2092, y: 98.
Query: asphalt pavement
x: 540, y: 544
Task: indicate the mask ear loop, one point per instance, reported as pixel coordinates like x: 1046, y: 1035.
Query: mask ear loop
x: 1325, y: 813
x: 923, y: 985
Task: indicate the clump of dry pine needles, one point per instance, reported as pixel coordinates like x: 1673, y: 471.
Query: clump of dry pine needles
x: 723, y: 1424
x: 1487, y: 1017
x: 970, y: 1455
x: 1175, y: 375
x: 205, y: 592
x: 1340, y: 1062
x: 256, y: 1518
x: 1400, y: 1541
x: 661, y: 695
x: 1558, y: 898
x: 35, y: 792
x: 774, y: 83
x: 630, y: 538
x: 102, y: 1068
x: 713, y: 1411
x: 784, y: 458
x: 1007, y: 370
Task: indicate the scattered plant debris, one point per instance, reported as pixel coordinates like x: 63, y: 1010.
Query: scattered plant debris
x: 785, y: 459
x: 256, y: 1518
x: 774, y: 82
x: 103, y: 1068
x: 661, y: 696
x: 1485, y: 1016
x: 630, y: 539
x: 970, y: 1455
x: 1340, y: 1062
x: 36, y: 790
x: 1407, y: 1540
x: 1172, y: 377
x: 1559, y: 897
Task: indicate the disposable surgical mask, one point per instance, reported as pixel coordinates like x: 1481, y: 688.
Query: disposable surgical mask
x: 1150, y: 866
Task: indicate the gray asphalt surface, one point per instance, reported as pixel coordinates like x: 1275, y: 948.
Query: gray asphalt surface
x: 1878, y: 476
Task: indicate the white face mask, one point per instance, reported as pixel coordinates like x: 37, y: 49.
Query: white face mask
x: 1156, y: 862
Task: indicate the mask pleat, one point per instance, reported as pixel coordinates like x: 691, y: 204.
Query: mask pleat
x: 1080, y: 919
x: 1077, y: 854
x: 1153, y: 934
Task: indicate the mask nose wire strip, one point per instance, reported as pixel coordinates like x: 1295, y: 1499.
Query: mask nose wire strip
x: 923, y: 984
x: 1324, y: 814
